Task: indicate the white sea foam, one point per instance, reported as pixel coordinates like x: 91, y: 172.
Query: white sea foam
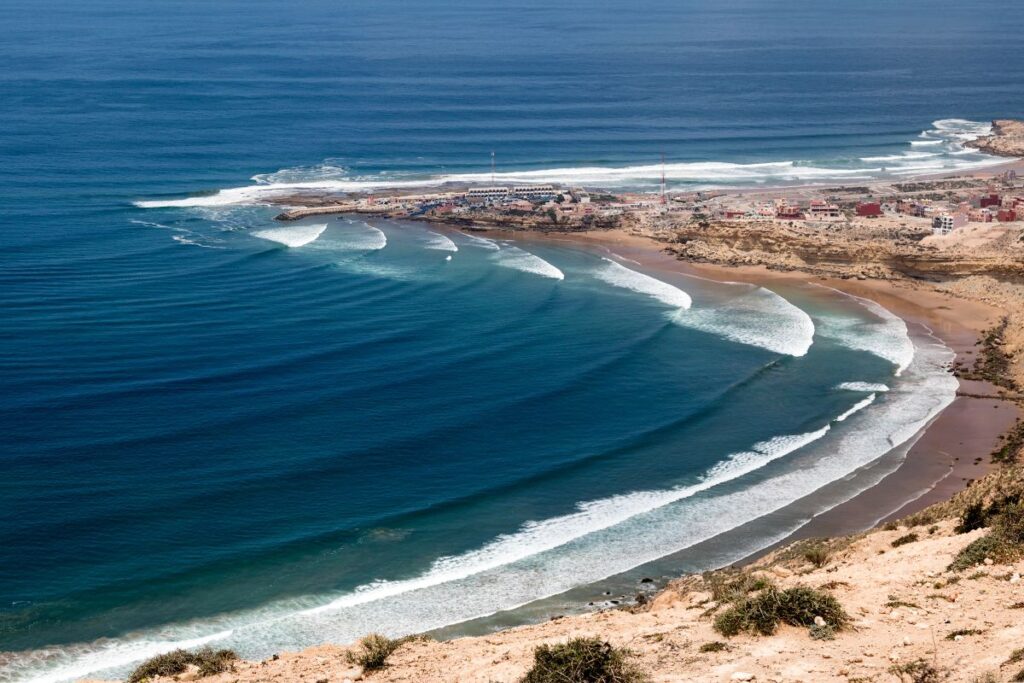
x: 532, y: 539
x: 188, y: 241
x: 871, y: 387
x: 293, y: 235
x: 355, y: 237
x: 436, y: 240
x: 859, y: 406
x: 758, y: 317
x: 619, y: 276
x: 947, y: 136
x: 886, y: 336
x: 546, y: 557
x: 481, y: 242
x: 514, y: 257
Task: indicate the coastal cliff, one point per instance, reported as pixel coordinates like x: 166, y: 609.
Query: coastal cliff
x: 925, y: 596
x: 1007, y: 139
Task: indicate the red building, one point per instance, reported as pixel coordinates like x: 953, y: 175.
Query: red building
x: 991, y: 200
x: 1006, y: 215
x: 869, y: 209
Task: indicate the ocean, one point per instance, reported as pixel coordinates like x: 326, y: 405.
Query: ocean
x: 222, y: 429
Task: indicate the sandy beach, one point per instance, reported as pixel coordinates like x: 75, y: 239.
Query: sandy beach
x: 906, y: 606
x: 952, y: 451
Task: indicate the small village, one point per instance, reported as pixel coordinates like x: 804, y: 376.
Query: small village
x: 941, y: 206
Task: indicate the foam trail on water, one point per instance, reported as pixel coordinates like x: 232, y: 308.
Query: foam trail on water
x: 440, y: 242
x: 543, y: 558
x: 759, y: 317
x: 292, y: 236
x: 360, y: 237
x: 860, y: 405
x: 619, y: 276
x: 945, y: 139
x: 516, y: 258
x: 481, y: 242
x: 886, y: 336
x: 862, y: 386
x: 532, y: 539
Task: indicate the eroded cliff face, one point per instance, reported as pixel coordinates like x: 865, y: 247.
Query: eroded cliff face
x: 845, y: 252
x: 1007, y: 139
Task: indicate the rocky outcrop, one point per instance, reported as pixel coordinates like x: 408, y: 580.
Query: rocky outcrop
x: 1006, y: 140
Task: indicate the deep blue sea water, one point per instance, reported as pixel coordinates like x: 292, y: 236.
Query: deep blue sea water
x: 220, y: 429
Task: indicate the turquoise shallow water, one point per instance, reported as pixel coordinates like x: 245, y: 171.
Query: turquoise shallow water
x: 222, y: 429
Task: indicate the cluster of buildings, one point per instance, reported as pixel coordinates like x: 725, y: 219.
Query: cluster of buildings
x: 784, y: 210
x: 979, y: 209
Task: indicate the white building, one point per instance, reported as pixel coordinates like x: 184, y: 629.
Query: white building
x: 942, y: 224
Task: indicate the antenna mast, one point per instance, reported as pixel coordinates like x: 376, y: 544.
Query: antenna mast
x: 663, y: 200
x: 492, y: 167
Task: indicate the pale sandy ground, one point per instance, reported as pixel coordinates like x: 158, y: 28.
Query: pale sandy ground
x: 666, y: 637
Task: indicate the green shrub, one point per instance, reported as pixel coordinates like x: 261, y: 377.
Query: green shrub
x: 729, y: 586
x: 796, y: 606
x: 963, y: 632
x: 714, y: 646
x: 207, y: 660
x: 976, y: 551
x: 824, y: 632
x: 817, y: 555
x: 373, y: 651
x: 973, y: 517
x: 1010, y: 523
x: 582, y: 660
x: 903, y: 540
x: 919, y: 671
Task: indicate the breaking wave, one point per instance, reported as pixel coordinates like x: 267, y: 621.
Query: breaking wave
x: 862, y: 386
x: 859, y: 406
x: 598, y: 539
x: 357, y: 236
x: 945, y: 140
x: 516, y: 258
x: 886, y: 336
x: 759, y: 317
x: 618, y: 275
x: 292, y: 236
x: 436, y: 240
x: 481, y: 242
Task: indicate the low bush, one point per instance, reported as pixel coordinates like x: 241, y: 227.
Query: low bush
x: 973, y: 517
x: 817, y: 555
x: 208, y: 661
x: 373, y: 651
x: 975, y: 552
x: 796, y: 606
x: 903, y: 540
x: 1016, y: 656
x: 582, y: 660
x: 823, y: 632
x: 729, y: 586
x: 714, y: 646
x: 919, y: 671
x: 952, y: 635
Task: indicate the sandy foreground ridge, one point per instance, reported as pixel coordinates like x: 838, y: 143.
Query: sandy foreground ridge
x: 934, y: 596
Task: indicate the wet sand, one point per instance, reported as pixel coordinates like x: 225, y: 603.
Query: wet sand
x: 953, y: 450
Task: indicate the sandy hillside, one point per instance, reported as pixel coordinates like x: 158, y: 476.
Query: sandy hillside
x: 904, y: 605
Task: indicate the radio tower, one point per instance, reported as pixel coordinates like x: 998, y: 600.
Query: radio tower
x: 492, y: 167
x: 663, y: 200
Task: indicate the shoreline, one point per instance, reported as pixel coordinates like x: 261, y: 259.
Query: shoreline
x: 932, y: 470
x: 665, y: 628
